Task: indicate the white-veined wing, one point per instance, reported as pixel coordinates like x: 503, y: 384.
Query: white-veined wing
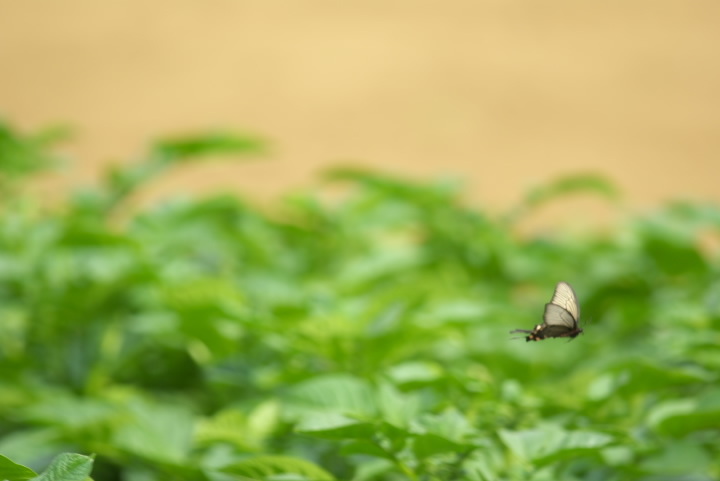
x: 558, y: 317
x: 566, y: 298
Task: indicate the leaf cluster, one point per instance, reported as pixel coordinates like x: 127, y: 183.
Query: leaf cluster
x: 363, y: 338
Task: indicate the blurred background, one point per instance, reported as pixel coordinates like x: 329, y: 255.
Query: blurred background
x: 506, y: 94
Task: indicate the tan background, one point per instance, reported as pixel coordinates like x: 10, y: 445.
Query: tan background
x: 506, y: 93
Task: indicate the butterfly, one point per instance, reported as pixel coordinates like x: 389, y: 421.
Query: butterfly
x: 561, y: 316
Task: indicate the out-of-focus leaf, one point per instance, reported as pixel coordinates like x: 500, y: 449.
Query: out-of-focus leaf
x: 602, y: 387
x: 194, y: 146
x: 340, y: 394
x: 274, y: 467
x: 415, y: 372
x: 563, y: 186
x: 335, y: 426
x: 682, y: 416
x: 67, y: 467
x: 397, y: 408
x: 429, y: 444
x: 572, y: 184
x: 60, y: 409
x: 376, y: 266
x: 674, y: 257
x: 159, y: 433
x: 638, y: 375
x: 421, y: 193
x: 228, y: 426
x: 32, y: 444
x: 679, y: 457
x: 449, y: 424
x: 14, y: 472
x: 366, y: 448
x: 263, y: 420
x: 22, y: 154
x: 618, y: 455
x: 455, y: 311
x: 543, y: 446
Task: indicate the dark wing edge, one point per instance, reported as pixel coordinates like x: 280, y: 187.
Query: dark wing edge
x: 557, y: 331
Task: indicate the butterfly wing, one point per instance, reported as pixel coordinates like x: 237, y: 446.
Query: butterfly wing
x: 558, y: 319
x: 566, y: 298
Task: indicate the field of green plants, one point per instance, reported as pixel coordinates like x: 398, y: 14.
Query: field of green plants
x: 362, y: 335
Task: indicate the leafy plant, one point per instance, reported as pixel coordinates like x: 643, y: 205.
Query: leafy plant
x: 364, y: 338
x: 65, y: 467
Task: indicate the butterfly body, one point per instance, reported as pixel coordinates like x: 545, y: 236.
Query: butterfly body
x: 560, y: 318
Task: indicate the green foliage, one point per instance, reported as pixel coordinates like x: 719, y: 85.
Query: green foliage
x: 22, y: 155
x: 14, y: 472
x: 364, y: 338
x: 65, y: 467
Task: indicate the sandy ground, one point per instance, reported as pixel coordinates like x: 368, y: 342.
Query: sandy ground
x: 505, y: 94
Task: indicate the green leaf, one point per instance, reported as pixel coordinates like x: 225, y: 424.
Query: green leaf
x: 543, y: 446
x: 397, y: 408
x: 336, y: 426
x: 31, y: 443
x: 268, y: 467
x: 450, y: 424
x: 603, y: 386
x: 423, y: 194
x: 14, y: 472
x: 227, y: 426
x: 416, y: 372
x: 215, y: 143
x: 572, y: 184
x: 683, y: 416
x: 426, y: 445
x: 22, y: 154
x: 67, y: 467
x: 160, y: 433
x: 675, y: 257
x: 337, y: 393
x: 63, y: 409
x: 263, y: 420
x: 645, y: 376
x: 365, y: 448
x: 679, y: 457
